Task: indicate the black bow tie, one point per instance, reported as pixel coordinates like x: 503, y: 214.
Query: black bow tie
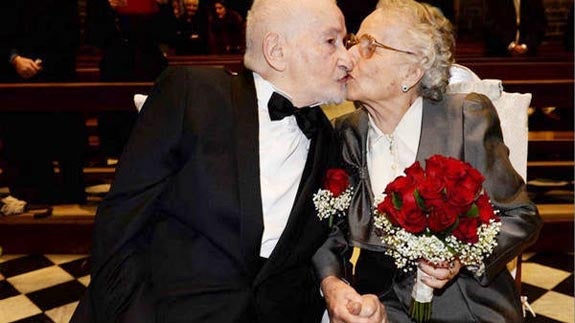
x: 307, y: 117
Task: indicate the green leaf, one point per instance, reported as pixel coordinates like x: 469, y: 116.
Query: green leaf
x: 473, y: 211
x: 397, y: 201
x: 419, y: 200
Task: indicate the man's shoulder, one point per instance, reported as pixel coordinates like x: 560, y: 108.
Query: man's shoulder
x: 198, y: 77
x: 198, y: 72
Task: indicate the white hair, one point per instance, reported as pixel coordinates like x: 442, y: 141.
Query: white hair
x: 430, y: 36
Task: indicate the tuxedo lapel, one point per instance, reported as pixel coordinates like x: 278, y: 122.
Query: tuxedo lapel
x: 247, y: 155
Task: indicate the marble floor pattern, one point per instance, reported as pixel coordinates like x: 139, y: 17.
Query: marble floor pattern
x: 46, y: 288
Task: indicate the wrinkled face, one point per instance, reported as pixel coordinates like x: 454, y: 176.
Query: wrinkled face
x: 191, y: 7
x: 317, y: 61
x: 379, y: 77
x: 220, y: 10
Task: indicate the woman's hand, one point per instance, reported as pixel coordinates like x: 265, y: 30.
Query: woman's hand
x: 438, y: 275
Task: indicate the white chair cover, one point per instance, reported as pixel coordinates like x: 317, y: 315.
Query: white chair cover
x: 511, y: 107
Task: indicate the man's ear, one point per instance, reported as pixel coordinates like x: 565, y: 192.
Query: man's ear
x: 273, y: 51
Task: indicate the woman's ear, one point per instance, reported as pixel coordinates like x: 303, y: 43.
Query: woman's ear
x: 273, y: 51
x: 414, y: 74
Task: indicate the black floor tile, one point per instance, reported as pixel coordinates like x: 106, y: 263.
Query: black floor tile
x: 25, y: 264
x: 77, y: 268
x: 566, y: 286
x: 58, y: 295
x: 532, y: 292
x: 40, y: 318
x: 563, y: 261
x: 69, y: 292
x: 7, y: 290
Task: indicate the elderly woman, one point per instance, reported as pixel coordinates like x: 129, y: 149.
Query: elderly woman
x: 402, y: 55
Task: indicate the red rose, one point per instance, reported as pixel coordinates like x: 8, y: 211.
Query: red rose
x: 486, y: 211
x: 386, y: 207
x: 336, y: 181
x: 412, y: 219
x: 454, y: 171
x: 474, y: 178
x: 431, y: 188
x: 461, y: 197
x: 415, y: 172
x: 466, y: 230
x: 433, y: 167
x: 441, y: 215
x: 408, y: 199
x: 400, y: 185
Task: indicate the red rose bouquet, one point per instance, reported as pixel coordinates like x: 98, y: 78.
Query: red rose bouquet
x: 438, y: 214
x: 335, y: 196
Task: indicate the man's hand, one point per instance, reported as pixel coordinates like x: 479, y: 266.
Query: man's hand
x: 25, y: 67
x: 344, y: 304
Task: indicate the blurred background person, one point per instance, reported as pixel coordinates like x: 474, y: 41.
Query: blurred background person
x: 226, y: 30
x: 127, y: 33
x: 189, y: 34
x: 40, y: 41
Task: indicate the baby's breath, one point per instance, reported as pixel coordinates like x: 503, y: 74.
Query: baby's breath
x: 407, y: 248
x: 328, y: 206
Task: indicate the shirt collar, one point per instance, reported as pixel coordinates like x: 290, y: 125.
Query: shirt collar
x: 408, y: 129
x: 264, y: 91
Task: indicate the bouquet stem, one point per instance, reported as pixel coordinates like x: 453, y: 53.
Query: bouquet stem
x: 421, y: 296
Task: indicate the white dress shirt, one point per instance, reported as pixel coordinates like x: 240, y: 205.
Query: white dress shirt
x: 389, y: 154
x: 283, y: 153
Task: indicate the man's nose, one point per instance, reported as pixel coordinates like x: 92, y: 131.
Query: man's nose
x: 346, y: 60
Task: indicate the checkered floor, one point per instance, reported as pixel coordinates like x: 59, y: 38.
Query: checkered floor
x: 46, y: 288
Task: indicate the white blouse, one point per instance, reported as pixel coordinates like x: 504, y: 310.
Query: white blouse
x: 389, y: 154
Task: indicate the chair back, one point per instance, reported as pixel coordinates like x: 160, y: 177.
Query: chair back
x: 512, y: 109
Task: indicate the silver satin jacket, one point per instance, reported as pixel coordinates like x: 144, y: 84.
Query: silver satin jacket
x: 463, y: 126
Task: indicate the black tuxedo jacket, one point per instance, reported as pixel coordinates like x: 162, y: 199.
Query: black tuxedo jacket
x: 177, y: 238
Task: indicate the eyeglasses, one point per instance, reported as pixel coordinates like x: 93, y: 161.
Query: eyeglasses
x: 368, y: 44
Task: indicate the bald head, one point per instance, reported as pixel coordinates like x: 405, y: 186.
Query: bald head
x: 297, y: 46
x: 284, y: 17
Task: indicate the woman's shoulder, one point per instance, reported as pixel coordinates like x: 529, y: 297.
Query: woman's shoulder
x: 471, y: 101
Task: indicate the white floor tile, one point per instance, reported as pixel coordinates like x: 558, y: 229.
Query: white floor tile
x: 39, y: 279
x: 5, y: 258
x: 62, y: 314
x: 60, y: 259
x: 17, y: 307
x: 556, y: 306
x: 542, y: 276
x: 85, y: 280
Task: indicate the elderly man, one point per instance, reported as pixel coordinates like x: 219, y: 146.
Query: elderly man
x: 210, y: 217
